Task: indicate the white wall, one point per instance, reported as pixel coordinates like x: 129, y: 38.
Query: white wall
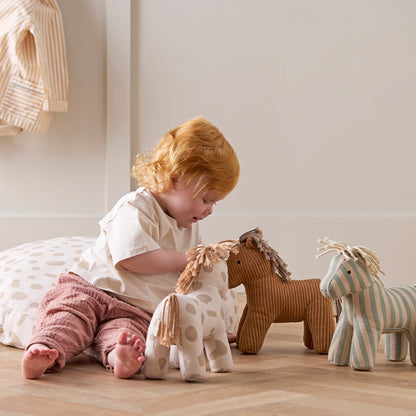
x: 64, y: 183
x: 55, y: 184
x: 316, y: 97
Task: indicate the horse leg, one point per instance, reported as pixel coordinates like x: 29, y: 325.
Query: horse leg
x: 242, y: 320
x: 252, y: 331
x: 190, y: 348
x: 230, y: 308
x: 412, y: 344
x: 192, y: 360
x: 218, y: 350
x: 395, y: 348
x: 340, y: 347
x: 157, y: 356
x: 307, y: 336
x: 321, y: 324
x: 364, y: 345
x: 174, y: 356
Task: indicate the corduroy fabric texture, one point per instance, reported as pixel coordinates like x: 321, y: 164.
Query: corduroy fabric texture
x: 271, y: 300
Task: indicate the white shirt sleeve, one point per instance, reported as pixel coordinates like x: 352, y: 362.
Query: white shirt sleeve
x: 131, y: 232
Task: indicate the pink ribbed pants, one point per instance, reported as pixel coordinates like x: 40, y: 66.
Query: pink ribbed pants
x: 77, y: 317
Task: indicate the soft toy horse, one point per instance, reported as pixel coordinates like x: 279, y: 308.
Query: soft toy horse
x: 368, y: 309
x: 193, y: 318
x: 273, y: 297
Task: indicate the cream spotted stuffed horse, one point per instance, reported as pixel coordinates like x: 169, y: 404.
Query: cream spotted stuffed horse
x: 368, y: 309
x: 192, y: 318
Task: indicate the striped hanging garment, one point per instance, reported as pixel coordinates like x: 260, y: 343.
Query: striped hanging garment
x: 33, y: 71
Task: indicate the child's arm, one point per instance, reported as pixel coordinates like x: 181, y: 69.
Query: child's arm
x: 155, y: 262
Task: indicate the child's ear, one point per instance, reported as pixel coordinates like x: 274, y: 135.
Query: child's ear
x: 174, y: 180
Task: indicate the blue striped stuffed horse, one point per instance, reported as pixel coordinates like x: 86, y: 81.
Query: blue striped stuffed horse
x: 368, y: 309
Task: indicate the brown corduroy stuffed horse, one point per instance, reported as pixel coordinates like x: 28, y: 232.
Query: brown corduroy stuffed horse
x: 273, y: 297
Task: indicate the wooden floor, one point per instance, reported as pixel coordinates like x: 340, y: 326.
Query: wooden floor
x: 283, y: 379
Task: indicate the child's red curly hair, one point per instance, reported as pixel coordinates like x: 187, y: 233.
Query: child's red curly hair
x: 194, y: 150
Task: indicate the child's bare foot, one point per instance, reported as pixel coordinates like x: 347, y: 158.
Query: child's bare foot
x: 128, y: 356
x: 37, y: 359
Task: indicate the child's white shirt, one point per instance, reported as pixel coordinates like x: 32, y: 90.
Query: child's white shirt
x: 137, y: 224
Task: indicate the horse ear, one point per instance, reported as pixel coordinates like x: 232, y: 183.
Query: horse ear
x: 250, y: 243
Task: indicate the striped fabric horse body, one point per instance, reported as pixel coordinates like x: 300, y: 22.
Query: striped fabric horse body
x: 368, y: 309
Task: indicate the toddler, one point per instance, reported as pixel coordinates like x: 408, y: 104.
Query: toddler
x: 104, y: 304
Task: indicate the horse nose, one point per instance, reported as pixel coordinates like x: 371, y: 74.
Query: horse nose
x: 323, y: 287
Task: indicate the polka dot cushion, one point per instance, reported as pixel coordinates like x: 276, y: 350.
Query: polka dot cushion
x: 27, y: 272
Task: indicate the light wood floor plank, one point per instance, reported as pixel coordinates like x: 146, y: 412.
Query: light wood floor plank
x: 283, y: 379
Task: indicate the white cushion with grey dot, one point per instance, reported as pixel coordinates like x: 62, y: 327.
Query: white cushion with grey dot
x: 27, y: 272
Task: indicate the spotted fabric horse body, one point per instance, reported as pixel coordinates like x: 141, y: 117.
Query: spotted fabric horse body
x: 273, y: 297
x: 193, y: 319
x: 368, y: 309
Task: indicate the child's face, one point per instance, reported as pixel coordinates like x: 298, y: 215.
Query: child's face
x: 181, y: 204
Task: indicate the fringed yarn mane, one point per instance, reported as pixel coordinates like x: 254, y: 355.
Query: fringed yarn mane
x: 206, y: 257
x: 279, y: 266
x: 353, y: 253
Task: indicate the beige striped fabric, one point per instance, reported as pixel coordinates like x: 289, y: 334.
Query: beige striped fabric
x: 368, y: 310
x: 33, y: 70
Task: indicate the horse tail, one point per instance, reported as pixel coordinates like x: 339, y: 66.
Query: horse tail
x: 169, y: 329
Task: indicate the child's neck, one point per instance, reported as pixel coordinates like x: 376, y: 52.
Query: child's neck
x: 162, y: 200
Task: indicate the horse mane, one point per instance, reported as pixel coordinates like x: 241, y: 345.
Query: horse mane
x: 369, y: 257
x: 203, y: 256
x: 279, y: 266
